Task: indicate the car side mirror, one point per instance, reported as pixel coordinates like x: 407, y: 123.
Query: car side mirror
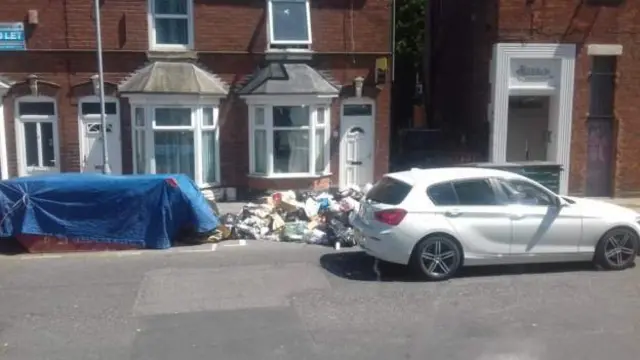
x: 560, y: 202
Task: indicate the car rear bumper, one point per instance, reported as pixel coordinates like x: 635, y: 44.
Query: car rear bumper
x: 386, y: 246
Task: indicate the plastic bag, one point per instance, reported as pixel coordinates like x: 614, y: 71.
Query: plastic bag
x: 315, y: 236
x: 294, y: 231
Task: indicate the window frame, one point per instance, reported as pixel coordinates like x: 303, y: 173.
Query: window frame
x: 20, y: 120
x: 151, y: 25
x: 273, y: 42
x: 497, y: 192
x: 149, y: 106
x: 448, y: 183
x: 492, y: 186
x: 315, y: 104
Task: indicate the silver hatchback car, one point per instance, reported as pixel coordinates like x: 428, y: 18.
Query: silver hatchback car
x: 438, y: 220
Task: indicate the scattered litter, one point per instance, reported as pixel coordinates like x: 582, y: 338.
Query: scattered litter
x: 322, y: 218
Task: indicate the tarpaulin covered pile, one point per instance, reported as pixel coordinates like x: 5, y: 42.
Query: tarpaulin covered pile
x: 146, y: 211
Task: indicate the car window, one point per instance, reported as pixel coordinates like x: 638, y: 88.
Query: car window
x: 442, y: 194
x: 525, y: 193
x: 389, y: 191
x: 475, y: 192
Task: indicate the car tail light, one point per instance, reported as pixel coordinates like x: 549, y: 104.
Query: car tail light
x: 391, y: 217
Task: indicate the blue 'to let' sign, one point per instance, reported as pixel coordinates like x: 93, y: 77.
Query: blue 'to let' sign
x: 12, y: 37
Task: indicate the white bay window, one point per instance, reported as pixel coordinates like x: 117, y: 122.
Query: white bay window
x: 289, y: 140
x: 176, y: 139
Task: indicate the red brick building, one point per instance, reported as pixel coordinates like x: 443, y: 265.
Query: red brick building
x: 552, y: 80
x: 238, y: 94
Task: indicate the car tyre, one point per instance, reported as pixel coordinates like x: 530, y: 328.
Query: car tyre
x: 617, y: 249
x: 436, y: 258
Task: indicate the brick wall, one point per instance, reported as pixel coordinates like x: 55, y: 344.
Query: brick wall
x: 220, y: 25
x: 230, y: 39
x: 548, y: 21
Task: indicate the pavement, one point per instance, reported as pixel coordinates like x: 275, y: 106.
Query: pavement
x: 263, y: 300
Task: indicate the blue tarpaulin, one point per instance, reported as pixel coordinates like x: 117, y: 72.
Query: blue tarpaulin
x: 141, y: 210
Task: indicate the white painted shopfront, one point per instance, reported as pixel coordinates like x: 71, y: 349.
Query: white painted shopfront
x: 531, y: 104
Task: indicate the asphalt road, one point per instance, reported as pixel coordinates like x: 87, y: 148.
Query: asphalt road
x: 268, y: 301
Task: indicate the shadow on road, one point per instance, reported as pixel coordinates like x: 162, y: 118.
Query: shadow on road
x: 11, y: 246
x: 360, y: 267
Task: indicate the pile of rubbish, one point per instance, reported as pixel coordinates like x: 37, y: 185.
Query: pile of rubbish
x: 289, y: 216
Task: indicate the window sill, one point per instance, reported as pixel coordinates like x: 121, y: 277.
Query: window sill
x: 290, y: 176
x: 171, y: 53
x: 288, y: 54
x: 208, y: 186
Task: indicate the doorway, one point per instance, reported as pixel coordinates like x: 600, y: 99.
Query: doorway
x: 37, y: 136
x: 529, y: 136
x: 356, y: 143
x: 90, y: 131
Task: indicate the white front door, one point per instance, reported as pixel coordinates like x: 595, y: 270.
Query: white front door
x: 91, y: 137
x: 37, y: 136
x: 356, y: 144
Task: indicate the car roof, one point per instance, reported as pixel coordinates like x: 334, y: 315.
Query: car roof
x: 428, y: 177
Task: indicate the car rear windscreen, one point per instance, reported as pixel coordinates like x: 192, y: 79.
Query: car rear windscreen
x: 389, y: 191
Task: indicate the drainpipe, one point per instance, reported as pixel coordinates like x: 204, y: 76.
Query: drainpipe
x: 426, y: 64
x: 393, y: 40
x: 4, y: 159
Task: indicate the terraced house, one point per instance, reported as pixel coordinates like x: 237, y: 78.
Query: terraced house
x: 239, y: 94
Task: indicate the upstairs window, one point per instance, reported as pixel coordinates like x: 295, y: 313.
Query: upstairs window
x: 171, y: 24
x: 289, y: 24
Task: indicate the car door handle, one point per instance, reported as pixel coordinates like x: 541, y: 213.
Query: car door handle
x: 516, y: 216
x: 452, y: 213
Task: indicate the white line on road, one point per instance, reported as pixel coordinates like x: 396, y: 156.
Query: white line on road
x: 37, y: 257
x: 127, y: 253
x: 195, y: 250
x: 240, y: 243
x: 213, y: 247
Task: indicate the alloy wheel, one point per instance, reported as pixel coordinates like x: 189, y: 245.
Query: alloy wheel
x: 439, y: 257
x: 618, y: 248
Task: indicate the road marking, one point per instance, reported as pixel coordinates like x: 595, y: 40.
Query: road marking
x: 37, y: 257
x: 240, y: 243
x: 194, y: 250
x: 128, y: 253
x: 213, y: 248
